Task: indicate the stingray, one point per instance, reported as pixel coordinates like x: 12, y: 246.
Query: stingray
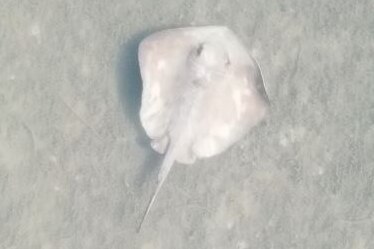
x: 202, y: 92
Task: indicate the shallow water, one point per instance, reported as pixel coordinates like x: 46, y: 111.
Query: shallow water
x: 76, y: 170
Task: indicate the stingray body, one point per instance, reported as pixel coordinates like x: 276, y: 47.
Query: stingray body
x: 202, y: 92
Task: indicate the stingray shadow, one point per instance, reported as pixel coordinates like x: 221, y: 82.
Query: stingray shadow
x: 130, y: 91
x: 130, y: 84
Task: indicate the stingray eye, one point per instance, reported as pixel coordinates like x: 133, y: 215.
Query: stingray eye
x: 199, y: 49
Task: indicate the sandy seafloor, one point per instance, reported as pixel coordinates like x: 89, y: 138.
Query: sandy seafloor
x: 76, y: 170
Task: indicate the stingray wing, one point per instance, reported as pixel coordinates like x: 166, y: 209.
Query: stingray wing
x: 159, y: 59
x: 237, y: 103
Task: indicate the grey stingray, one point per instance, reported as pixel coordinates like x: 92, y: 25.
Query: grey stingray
x: 202, y: 92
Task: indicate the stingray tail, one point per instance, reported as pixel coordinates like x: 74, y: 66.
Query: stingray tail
x: 166, y: 165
